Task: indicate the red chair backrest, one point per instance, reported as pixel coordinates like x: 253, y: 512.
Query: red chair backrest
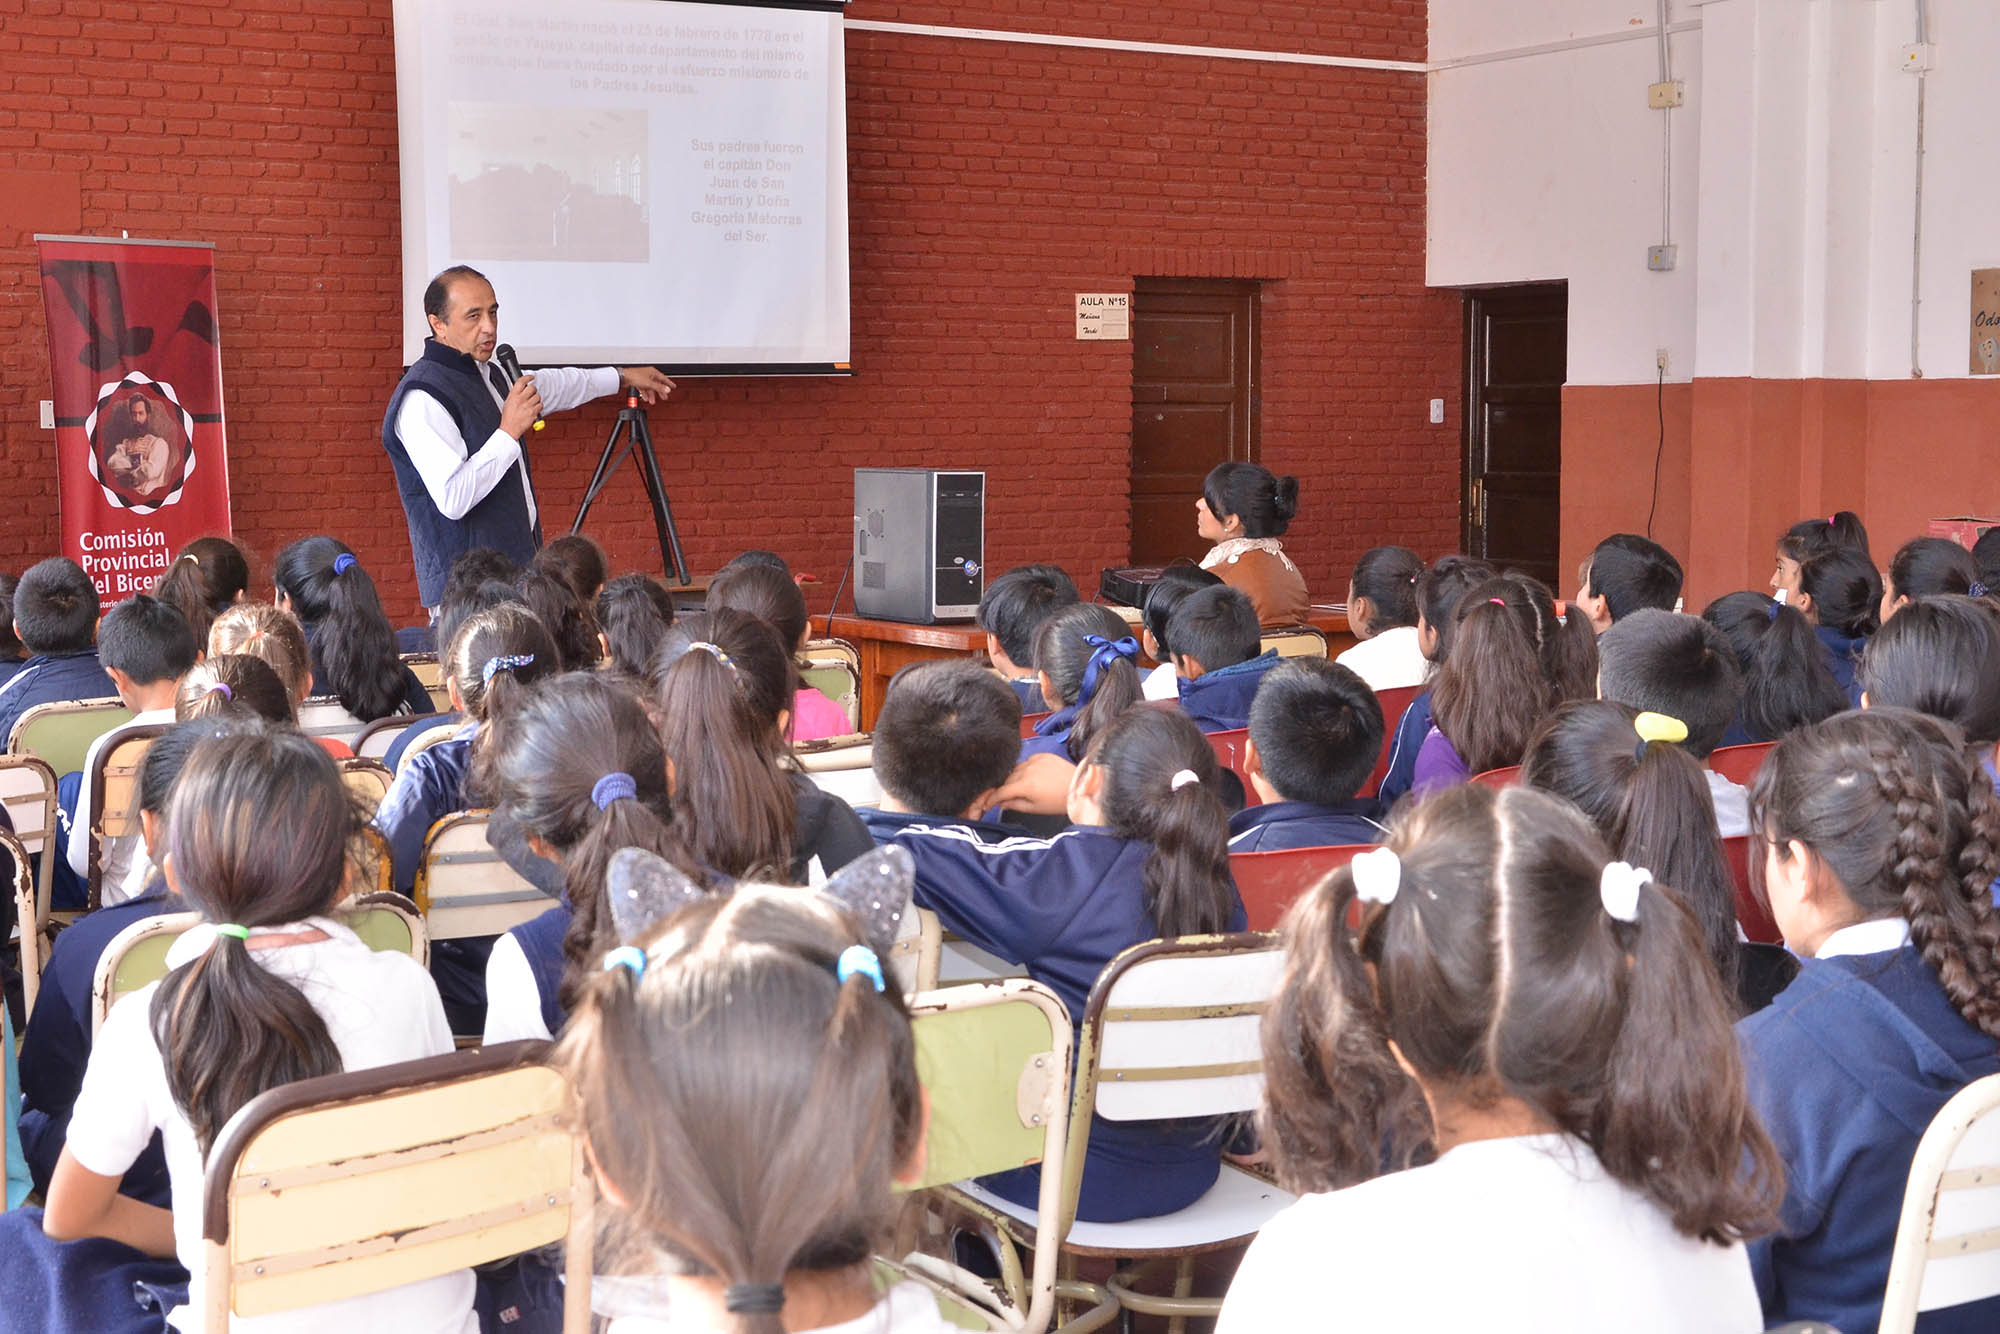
x: 1506, y: 777
x: 1271, y: 882
x: 1739, y: 764
x: 1752, y: 916
x: 1395, y: 703
x: 1028, y: 721
x: 1228, y: 747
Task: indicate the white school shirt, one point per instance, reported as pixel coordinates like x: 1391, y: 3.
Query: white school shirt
x: 1161, y: 683
x: 1504, y: 1236
x: 1732, y: 805
x: 459, y: 478
x: 907, y: 1308
x: 118, y: 852
x: 379, y: 1008
x: 1389, y: 661
x: 513, y: 1001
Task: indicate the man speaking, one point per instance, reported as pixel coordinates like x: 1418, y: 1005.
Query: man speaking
x: 454, y: 427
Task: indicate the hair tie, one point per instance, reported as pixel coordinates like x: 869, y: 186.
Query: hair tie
x: 615, y: 786
x: 1772, y: 614
x: 1378, y: 874
x: 1498, y: 602
x: 231, y: 929
x: 220, y: 688
x: 1618, y: 887
x: 1977, y: 590
x: 754, y: 1298
x: 188, y: 555
x: 1653, y: 727
x: 506, y: 662
x: 858, y: 959
x: 1832, y: 520
x: 1183, y: 778
x: 629, y: 957
x: 714, y: 651
x: 1105, y: 652
x: 343, y: 563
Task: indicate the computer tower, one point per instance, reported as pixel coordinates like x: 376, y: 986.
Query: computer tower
x: 919, y: 543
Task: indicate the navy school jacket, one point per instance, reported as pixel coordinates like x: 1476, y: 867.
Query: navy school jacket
x: 1409, y: 739
x: 541, y: 942
x: 1843, y: 656
x: 1219, y: 701
x: 1847, y: 1067
x: 51, y: 678
x: 1063, y: 907
x: 885, y: 825
x: 1028, y: 690
x: 1051, y: 734
x: 1281, y: 826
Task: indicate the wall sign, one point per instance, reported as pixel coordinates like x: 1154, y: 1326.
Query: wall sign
x: 1985, y: 322
x: 1103, y: 315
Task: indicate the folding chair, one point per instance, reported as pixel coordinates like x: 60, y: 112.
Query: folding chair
x: 1170, y: 1031
x: 464, y: 889
x: 1947, y: 1248
x: 1759, y: 927
x: 1739, y: 764
x: 918, y: 947
x: 358, y: 1182
x: 28, y: 790
x: 33, y: 956
x: 1395, y: 703
x: 376, y: 738
x: 426, y: 667
x: 1229, y: 749
x: 374, y: 863
x: 61, y: 733
x: 994, y: 1058
x: 138, y: 954
x: 431, y: 737
x: 1506, y: 776
x: 842, y: 765
x: 1295, y: 641
x: 366, y: 778
x: 1271, y: 882
x: 833, y: 667
x: 114, y: 800
x: 328, y: 717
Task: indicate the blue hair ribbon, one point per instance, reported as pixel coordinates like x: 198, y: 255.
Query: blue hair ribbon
x: 1107, y: 652
x: 343, y: 563
x: 859, y: 959
x: 506, y: 662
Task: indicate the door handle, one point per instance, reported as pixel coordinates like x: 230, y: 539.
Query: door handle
x: 1475, y: 502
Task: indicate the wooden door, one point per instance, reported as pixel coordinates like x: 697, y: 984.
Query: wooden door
x: 1194, y: 403
x: 1517, y: 357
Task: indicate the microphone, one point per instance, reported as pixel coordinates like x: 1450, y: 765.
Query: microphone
x: 510, y: 366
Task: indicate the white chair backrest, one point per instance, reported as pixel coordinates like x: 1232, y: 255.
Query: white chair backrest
x: 330, y: 718
x: 380, y: 735
x: 28, y: 790
x: 1179, y: 1035
x: 1948, y: 1242
x: 843, y: 766
x: 465, y: 889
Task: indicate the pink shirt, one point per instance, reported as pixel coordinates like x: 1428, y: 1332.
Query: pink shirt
x: 815, y: 716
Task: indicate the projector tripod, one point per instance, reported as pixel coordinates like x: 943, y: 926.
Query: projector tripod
x: 631, y: 426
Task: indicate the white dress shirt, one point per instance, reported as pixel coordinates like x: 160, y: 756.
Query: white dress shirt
x: 457, y: 478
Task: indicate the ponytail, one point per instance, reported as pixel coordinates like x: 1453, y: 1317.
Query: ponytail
x: 228, y: 1028
x: 1110, y: 686
x: 623, y: 821
x: 1846, y: 590
x: 207, y: 577
x: 1491, y: 693
x: 1160, y: 781
x: 1786, y: 683
x: 354, y: 648
x: 569, y: 620
x: 1086, y: 651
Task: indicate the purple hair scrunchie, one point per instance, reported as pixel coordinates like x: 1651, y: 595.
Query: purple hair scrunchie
x: 612, y: 787
x: 343, y: 563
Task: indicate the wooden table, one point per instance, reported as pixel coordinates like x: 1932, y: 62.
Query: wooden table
x: 889, y: 646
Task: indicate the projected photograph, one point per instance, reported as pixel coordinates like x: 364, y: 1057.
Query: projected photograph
x: 548, y: 183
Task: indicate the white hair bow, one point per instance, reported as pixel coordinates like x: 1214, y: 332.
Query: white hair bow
x: 1378, y: 874
x: 1619, y: 888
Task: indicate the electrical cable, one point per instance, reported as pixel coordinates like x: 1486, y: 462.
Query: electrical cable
x: 1659, y: 454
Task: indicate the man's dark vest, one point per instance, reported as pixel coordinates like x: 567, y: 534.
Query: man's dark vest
x: 500, y: 521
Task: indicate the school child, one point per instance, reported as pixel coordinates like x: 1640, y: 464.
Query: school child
x: 1626, y: 573
x: 481, y: 579
x: 1840, y: 593
x: 1879, y: 862
x: 1786, y: 682
x: 801, y: 1092
x: 723, y: 685
x: 579, y: 771
x: 1382, y: 612
x: 1012, y: 611
x: 1682, y: 667
x: 1149, y: 857
x: 1219, y: 656
x: 1810, y: 537
x: 1315, y: 732
x: 271, y: 988
x: 55, y: 618
x: 579, y: 562
x: 1086, y: 661
x: 353, y: 649
x: 1941, y: 656
x: 1162, y: 596
x: 1928, y: 567
x: 772, y: 597
x: 236, y: 685
x: 1438, y: 591
x: 1512, y: 662
x: 633, y: 613
x: 210, y: 576
x: 12, y: 656
x: 1634, y: 775
x: 945, y: 742
x: 1510, y: 1095
x: 56, y: 1043
x: 146, y: 647
x: 1244, y: 509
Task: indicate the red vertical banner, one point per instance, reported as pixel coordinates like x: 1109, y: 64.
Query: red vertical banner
x: 135, y: 361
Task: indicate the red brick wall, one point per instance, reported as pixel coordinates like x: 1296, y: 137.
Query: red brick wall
x: 989, y: 183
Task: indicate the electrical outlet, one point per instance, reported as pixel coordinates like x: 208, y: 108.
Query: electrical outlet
x: 1666, y: 96
x: 1919, y: 58
x: 1660, y: 360
x: 48, y: 414
x: 1437, y: 412
x: 1662, y: 258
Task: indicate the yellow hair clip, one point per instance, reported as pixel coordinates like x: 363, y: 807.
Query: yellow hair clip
x: 1660, y: 727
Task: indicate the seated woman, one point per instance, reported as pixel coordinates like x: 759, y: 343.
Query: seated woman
x: 1244, y: 510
